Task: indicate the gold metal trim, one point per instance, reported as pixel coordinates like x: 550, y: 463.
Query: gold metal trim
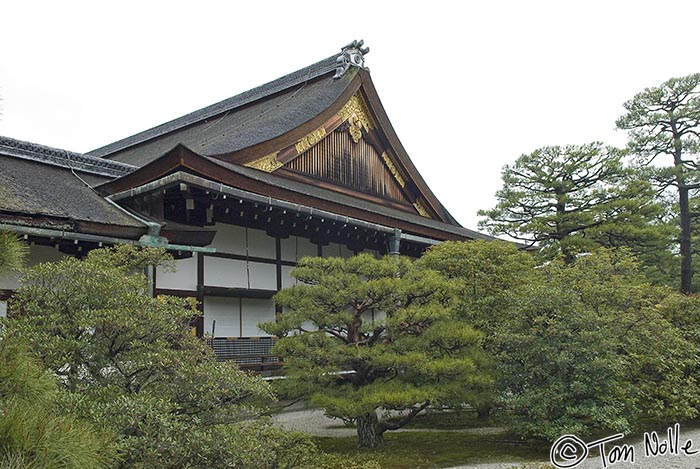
x: 421, y: 209
x: 357, y: 114
x: 392, y: 167
x: 267, y: 163
x: 310, y: 140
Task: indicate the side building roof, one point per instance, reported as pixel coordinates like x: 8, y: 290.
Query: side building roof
x: 50, y: 188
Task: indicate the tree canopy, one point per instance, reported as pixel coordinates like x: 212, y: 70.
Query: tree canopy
x: 573, y: 199
x: 664, y: 122
x: 130, y: 365
x: 364, y: 335
x: 34, y: 431
x: 577, y: 347
x: 486, y: 275
x: 585, y: 348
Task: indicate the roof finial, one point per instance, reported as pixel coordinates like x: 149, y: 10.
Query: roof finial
x: 352, y: 54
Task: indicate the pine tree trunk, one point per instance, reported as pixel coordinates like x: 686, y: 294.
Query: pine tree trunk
x: 686, y: 248
x: 483, y: 411
x: 368, y: 434
x: 684, y: 209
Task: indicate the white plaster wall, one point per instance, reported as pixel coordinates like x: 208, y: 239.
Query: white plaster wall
x: 260, y: 244
x: 262, y: 276
x: 256, y: 311
x: 372, y: 317
x: 37, y: 254
x: 337, y: 250
x: 222, y: 272
x: 294, y: 248
x: 230, y: 239
x: 226, y: 313
x: 345, y: 252
x: 332, y: 250
x: 287, y: 280
x: 306, y: 248
x: 231, y: 273
x: 184, y: 277
x: 289, y: 248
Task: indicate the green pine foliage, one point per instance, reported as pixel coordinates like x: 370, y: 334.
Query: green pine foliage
x: 487, y: 276
x: 369, y: 339
x: 34, y: 431
x: 664, y: 124
x: 573, y: 199
x: 13, y: 251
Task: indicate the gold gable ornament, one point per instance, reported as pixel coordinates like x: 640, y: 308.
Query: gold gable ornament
x: 267, y: 163
x: 392, y: 167
x: 423, y: 212
x: 310, y: 140
x: 355, y: 112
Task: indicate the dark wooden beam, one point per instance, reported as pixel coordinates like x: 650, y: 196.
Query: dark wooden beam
x: 238, y: 292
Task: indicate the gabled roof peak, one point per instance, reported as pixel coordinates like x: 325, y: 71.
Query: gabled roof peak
x: 351, y: 55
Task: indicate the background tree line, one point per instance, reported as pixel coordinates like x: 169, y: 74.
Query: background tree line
x: 570, y: 199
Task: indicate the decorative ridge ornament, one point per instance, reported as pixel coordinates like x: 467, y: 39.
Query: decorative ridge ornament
x: 351, y: 55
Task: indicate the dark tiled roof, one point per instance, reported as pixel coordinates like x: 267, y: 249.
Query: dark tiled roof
x: 241, y: 132
x: 36, y: 181
x: 63, y: 158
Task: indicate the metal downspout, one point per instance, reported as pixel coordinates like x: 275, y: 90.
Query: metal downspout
x: 153, y: 227
x: 395, y: 242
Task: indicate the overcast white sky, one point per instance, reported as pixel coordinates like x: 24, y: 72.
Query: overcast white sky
x: 468, y: 86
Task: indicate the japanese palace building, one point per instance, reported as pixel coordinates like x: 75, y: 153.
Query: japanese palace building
x: 306, y: 165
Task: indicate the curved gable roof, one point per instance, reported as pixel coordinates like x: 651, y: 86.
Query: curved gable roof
x: 275, y: 117
x: 202, y: 128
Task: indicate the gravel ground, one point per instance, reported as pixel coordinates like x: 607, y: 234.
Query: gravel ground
x: 312, y: 421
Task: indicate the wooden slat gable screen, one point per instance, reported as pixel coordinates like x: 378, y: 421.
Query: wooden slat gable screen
x: 355, y: 165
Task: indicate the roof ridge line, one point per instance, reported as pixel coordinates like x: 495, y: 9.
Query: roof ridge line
x: 297, y: 77
x: 63, y: 158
